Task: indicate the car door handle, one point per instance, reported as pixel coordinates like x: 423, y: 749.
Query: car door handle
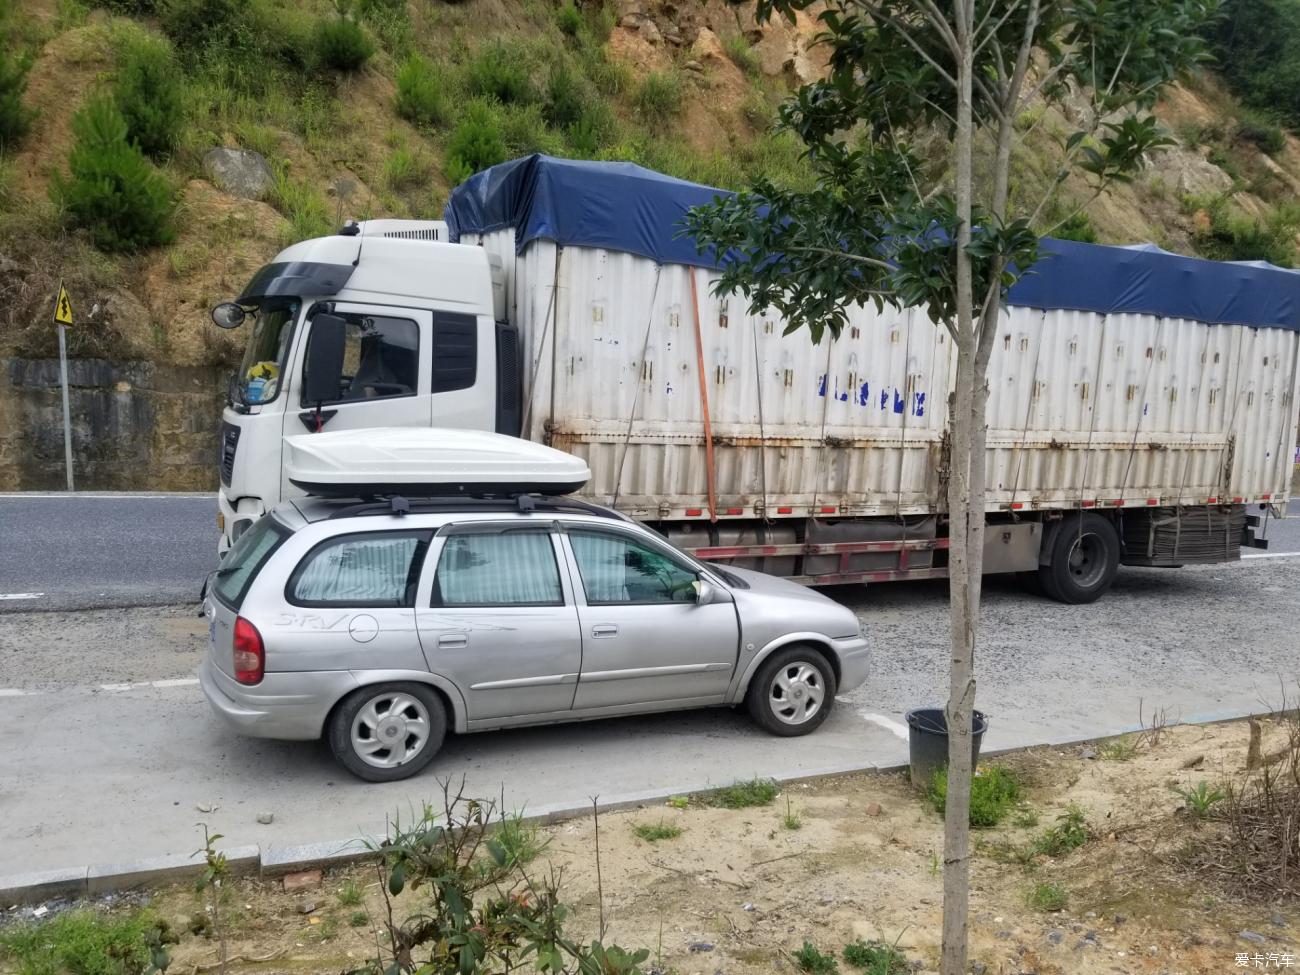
x: 450, y: 641
x: 604, y: 630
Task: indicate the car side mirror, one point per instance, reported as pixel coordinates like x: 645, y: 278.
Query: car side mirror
x: 707, y: 593
x: 324, y: 369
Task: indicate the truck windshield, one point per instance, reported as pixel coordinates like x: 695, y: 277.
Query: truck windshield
x: 259, y: 376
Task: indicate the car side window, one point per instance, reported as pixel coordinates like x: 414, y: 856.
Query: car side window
x: 618, y: 569
x: 371, y: 570
x: 509, y: 568
x: 381, y: 358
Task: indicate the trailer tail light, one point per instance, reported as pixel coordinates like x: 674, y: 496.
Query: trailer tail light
x: 828, y: 509
x: 1152, y: 502
x: 735, y: 511
x: 1088, y: 504
x: 1211, y: 500
x: 694, y: 512
x: 250, y: 654
x: 1017, y: 505
x: 785, y: 509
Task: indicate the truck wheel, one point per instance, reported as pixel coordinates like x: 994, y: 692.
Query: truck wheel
x: 792, y: 693
x: 387, y: 732
x: 1082, y: 559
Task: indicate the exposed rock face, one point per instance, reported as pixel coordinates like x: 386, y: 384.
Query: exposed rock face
x: 240, y: 172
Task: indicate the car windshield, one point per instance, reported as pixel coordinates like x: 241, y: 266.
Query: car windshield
x: 258, y: 379
x: 235, y: 573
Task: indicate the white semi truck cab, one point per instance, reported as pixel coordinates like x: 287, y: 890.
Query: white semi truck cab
x: 384, y: 324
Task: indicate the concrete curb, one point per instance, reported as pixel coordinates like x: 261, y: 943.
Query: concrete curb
x: 274, y: 860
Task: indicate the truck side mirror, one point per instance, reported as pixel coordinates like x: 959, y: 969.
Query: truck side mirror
x: 324, y: 369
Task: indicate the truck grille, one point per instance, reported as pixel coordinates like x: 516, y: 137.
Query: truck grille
x: 229, y: 440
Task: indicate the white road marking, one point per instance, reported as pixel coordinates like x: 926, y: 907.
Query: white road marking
x: 108, y: 495
x: 889, y: 724
x: 21, y: 595
x: 1272, y: 555
x: 14, y: 692
x: 170, y: 682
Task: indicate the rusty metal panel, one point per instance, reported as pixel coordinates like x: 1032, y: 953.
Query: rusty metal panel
x: 1084, y: 409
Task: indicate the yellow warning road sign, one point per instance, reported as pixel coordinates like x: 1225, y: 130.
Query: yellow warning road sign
x: 63, y: 307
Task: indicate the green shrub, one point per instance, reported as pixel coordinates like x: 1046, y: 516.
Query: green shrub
x: 740, y: 795
x: 1077, y: 227
x: 519, y: 843
x: 303, y: 207
x: 1048, y: 897
x: 476, y: 142
x: 1261, y: 131
x: 405, y: 168
x: 742, y: 55
x: 659, y: 97
x: 84, y: 942
x: 814, y: 962
x: 1069, y: 833
x: 341, y: 44
x: 500, y: 71
x: 524, y: 130
x: 112, y: 190
x: 150, y: 94
x: 420, y: 96
x: 194, y: 24
x: 994, y: 792
x: 876, y: 958
x: 569, y: 19
x: 15, y: 117
x: 566, y: 97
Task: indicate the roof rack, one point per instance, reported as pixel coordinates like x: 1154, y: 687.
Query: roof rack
x: 399, y: 505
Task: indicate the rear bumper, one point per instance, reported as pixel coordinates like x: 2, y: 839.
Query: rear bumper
x: 855, y: 662
x: 289, y: 706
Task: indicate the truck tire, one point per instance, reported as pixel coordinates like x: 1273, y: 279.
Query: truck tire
x: 387, y: 732
x: 792, y: 693
x: 1082, y: 559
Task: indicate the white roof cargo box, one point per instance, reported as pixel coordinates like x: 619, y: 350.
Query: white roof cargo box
x: 424, y: 462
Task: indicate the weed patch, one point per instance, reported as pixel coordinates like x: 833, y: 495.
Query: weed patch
x: 500, y: 71
x: 87, y: 942
x: 654, y: 832
x: 813, y: 962
x: 876, y: 958
x: 1201, y: 800
x: 476, y: 142
x: 1048, y: 897
x: 1069, y: 833
x: 659, y: 98
x: 742, y: 795
x: 742, y: 55
x: 994, y: 793
x: 521, y: 842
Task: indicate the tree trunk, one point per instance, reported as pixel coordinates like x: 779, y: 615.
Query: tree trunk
x: 966, y: 531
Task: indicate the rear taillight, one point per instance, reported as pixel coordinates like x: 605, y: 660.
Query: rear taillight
x: 250, y: 655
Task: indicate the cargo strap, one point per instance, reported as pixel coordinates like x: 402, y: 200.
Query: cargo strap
x: 704, y: 400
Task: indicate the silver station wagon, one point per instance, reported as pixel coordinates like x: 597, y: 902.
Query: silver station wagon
x: 383, y: 626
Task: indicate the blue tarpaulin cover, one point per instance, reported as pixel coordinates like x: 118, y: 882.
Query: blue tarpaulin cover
x: 624, y: 207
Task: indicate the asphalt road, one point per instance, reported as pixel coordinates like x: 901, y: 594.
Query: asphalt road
x: 112, y: 753
x: 75, y: 551
x: 80, y: 551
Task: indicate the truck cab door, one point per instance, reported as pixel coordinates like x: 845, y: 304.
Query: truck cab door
x: 386, y: 373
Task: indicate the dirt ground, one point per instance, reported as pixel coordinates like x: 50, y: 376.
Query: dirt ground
x: 739, y: 892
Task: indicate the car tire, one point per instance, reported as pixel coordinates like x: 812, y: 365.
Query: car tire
x: 782, y: 694
x: 1082, y: 559
x: 406, y: 716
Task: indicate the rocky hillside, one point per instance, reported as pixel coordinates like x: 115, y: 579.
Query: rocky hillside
x: 428, y: 90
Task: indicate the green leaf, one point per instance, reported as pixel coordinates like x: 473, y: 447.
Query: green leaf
x: 397, y: 879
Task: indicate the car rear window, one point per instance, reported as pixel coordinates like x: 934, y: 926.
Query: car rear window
x: 245, y: 559
x: 371, y: 570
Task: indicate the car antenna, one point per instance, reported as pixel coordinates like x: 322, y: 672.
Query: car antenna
x: 399, y: 506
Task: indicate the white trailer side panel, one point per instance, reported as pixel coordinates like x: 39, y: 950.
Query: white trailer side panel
x: 1084, y: 409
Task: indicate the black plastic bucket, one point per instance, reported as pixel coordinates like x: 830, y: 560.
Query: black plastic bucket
x: 927, y: 741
